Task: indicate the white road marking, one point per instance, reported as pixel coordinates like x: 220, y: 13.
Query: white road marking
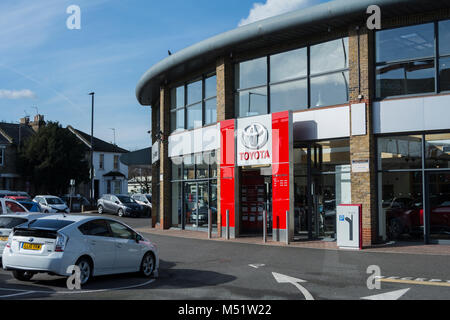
x: 281, y: 278
x: 24, y: 292
x: 392, y: 295
x: 257, y: 265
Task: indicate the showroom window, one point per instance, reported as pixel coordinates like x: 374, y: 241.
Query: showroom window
x: 194, y: 190
x: 414, y: 187
x: 293, y: 80
x: 193, y: 104
x: 413, y: 60
x: 322, y: 181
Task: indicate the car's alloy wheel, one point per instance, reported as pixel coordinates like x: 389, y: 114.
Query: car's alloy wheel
x: 23, y: 275
x: 100, y: 209
x: 120, y: 213
x: 394, y: 229
x: 148, y: 265
x: 85, y: 270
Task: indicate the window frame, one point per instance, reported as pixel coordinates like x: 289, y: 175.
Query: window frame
x: 306, y: 77
x: 2, y: 156
x: 186, y: 107
x: 436, y: 58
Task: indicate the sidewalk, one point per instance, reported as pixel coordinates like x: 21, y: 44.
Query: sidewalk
x: 401, y: 247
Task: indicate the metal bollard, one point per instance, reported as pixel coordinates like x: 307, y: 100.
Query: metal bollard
x: 264, y: 226
x: 228, y: 225
x: 287, y: 226
x: 209, y: 224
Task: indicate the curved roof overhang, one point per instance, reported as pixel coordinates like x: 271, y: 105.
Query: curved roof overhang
x: 289, y: 26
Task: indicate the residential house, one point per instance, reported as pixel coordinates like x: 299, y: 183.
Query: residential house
x: 12, y: 137
x: 139, y: 164
x: 110, y: 175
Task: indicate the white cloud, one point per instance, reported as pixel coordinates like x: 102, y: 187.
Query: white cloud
x: 17, y: 94
x: 272, y: 8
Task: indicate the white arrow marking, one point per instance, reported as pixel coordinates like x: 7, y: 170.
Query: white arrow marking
x: 281, y: 278
x: 257, y: 265
x: 393, y: 295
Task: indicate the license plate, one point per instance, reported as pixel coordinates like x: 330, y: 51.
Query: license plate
x: 31, y: 246
x: 3, y: 238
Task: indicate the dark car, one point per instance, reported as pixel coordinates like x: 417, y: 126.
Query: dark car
x: 31, y: 206
x: 122, y: 205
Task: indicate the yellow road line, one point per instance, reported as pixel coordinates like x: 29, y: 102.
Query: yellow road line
x: 423, y: 283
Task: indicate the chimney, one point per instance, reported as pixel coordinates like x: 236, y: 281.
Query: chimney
x: 25, y: 120
x: 38, y: 122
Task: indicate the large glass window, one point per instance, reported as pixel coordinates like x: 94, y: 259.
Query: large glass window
x: 414, y: 186
x: 400, y: 152
x: 250, y: 74
x: 284, y: 86
x: 327, y: 165
x: 288, y: 65
x: 194, y: 104
x: 194, y: 192
x: 406, y: 43
x: 329, y: 56
x: 437, y: 151
x: 400, y: 208
x: 406, y: 61
x: 330, y: 89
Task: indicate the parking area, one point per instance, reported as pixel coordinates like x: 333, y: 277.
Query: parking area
x: 202, y: 269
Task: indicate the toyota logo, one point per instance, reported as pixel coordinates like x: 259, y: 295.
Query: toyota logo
x: 255, y: 136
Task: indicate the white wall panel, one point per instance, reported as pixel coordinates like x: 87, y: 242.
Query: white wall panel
x: 198, y: 140
x: 322, y: 124
x: 412, y: 114
x: 358, y: 119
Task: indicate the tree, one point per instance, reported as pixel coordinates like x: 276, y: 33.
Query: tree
x: 142, y: 176
x: 52, y: 157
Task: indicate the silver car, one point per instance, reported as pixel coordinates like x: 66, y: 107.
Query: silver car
x: 97, y: 245
x: 9, y: 221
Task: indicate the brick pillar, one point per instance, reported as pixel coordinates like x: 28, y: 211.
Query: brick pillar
x: 165, y: 209
x: 155, y: 167
x: 362, y: 147
x: 225, y: 111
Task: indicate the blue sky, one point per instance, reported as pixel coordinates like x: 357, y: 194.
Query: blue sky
x: 43, y: 64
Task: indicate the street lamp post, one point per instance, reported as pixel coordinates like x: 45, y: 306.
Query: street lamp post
x: 92, y: 146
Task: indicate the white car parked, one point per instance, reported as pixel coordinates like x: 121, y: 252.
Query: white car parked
x: 9, y: 221
x: 97, y: 245
x: 51, y: 204
x: 10, y: 206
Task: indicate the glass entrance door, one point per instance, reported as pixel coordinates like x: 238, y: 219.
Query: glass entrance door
x: 438, y: 208
x: 196, y: 205
x: 322, y: 181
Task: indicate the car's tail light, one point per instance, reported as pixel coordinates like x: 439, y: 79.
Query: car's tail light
x: 8, y: 244
x: 421, y: 217
x: 61, y: 241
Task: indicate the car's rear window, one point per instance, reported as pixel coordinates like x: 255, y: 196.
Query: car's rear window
x: 52, y: 224
x: 11, y: 222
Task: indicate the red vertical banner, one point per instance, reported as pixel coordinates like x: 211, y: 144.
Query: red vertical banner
x: 282, y: 148
x: 227, y: 172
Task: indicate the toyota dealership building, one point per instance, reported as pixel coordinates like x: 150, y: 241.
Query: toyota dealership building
x: 300, y: 114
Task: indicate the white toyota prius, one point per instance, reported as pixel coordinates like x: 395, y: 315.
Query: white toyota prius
x: 97, y: 245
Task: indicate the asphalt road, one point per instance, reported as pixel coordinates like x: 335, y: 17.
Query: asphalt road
x: 201, y: 269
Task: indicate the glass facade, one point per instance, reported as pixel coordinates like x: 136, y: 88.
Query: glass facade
x: 413, y: 60
x: 414, y: 187
x: 321, y: 182
x: 293, y: 80
x: 193, y: 104
x: 194, y: 190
